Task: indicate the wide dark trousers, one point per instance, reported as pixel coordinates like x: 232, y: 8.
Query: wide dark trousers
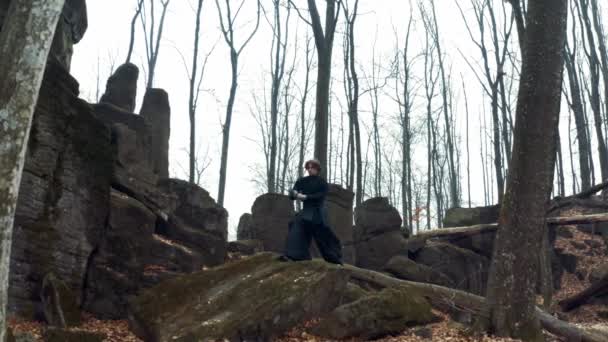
x: 301, y: 232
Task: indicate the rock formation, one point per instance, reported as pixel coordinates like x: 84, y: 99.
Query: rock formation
x: 157, y: 112
x: 121, y: 88
x: 378, y: 235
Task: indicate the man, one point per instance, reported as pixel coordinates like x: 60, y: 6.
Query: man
x: 311, y: 221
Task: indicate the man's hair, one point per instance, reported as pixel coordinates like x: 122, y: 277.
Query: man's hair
x: 313, y: 163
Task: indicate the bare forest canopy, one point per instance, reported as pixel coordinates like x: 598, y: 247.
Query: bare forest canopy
x: 410, y: 100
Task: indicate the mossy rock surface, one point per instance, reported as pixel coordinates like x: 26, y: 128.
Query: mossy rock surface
x: 256, y: 298
x: 379, y: 314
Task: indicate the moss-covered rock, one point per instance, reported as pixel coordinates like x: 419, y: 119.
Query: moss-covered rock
x: 386, y: 312
x: 254, y: 298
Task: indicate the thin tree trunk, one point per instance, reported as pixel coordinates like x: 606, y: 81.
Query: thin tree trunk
x: 453, y: 176
x: 228, y: 32
x: 194, y: 88
x: 140, y: 4
x: 25, y: 41
x: 511, y: 283
x: 466, y: 105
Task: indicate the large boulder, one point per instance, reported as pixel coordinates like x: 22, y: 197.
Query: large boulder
x: 121, y: 88
x: 256, y: 298
x: 340, y: 211
x: 270, y: 216
x: 64, y: 194
x: 466, y: 269
x: 389, y: 311
x: 461, y: 217
x: 378, y: 235
x: 115, y: 270
x: 243, y: 231
x: 157, y: 112
x: 404, y: 268
x: 197, y: 221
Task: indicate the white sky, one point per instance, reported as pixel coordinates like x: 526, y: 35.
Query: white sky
x: 106, y: 41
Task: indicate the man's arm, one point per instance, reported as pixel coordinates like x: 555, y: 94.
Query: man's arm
x: 296, y: 188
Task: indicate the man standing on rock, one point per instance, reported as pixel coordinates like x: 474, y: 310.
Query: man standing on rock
x: 311, y: 221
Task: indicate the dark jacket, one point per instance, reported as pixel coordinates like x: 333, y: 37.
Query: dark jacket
x: 315, y: 188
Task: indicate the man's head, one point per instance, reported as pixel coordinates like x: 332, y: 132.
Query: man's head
x: 313, y: 167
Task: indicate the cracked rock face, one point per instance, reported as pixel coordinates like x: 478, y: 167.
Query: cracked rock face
x: 64, y: 194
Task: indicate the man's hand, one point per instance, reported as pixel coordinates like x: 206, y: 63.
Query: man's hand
x: 300, y: 196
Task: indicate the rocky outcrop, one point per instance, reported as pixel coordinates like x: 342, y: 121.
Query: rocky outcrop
x: 389, y: 311
x: 157, y: 112
x: 243, y: 231
x: 121, y: 88
x: 340, y: 213
x: 403, y: 268
x: 462, y: 217
x: 71, y: 26
x: 117, y: 265
x: 256, y: 298
x: 270, y: 216
x: 378, y: 235
x: 467, y: 270
x: 64, y: 193
x: 245, y: 247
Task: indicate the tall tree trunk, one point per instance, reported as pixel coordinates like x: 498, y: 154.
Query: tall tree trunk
x: 324, y: 40
x: 226, y: 127
x: 466, y: 105
x: 194, y: 90
x: 227, y: 27
x: 513, y: 273
x: 453, y: 175
x: 140, y: 4
x: 25, y: 41
x: 303, y: 111
x: 594, y: 66
x: 579, y: 116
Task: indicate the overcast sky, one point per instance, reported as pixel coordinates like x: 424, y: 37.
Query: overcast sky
x: 106, y: 41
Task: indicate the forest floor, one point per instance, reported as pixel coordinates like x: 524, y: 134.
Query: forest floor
x: 580, y: 244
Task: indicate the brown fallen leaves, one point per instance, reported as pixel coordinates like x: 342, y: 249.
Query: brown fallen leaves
x: 115, y: 331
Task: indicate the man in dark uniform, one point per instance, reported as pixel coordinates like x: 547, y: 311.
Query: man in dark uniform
x: 311, y: 222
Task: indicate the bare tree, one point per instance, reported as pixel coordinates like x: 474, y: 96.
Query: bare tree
x: 430, y: 22
x: 278, y: 54
x: 195, y: 81
x: 404, y: 96
x: 25, y: 41
x: 151, y: 37
x: 227, y: 25
x: 140, y: 5
x: 493, y: 78
x: 575, y: 103
x: 515, y: 261
x: 304, y: 98
x: 352, y: 93
x: 324, y: 41
x: 595, y: 85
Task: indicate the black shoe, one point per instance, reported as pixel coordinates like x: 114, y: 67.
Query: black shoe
x: 283, y: 258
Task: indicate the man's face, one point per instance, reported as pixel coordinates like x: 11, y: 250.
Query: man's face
x: 312, y: 171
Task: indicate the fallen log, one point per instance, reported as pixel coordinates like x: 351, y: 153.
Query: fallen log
x: 592, y: 190
x: 439, y: 296
x: 458, y: 232
x: 598, y: 288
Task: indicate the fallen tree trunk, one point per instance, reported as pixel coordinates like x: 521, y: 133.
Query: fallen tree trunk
x: 600, y: 287
x: 440, y: 296
x: 457, y: 232
x: 592, y: 190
